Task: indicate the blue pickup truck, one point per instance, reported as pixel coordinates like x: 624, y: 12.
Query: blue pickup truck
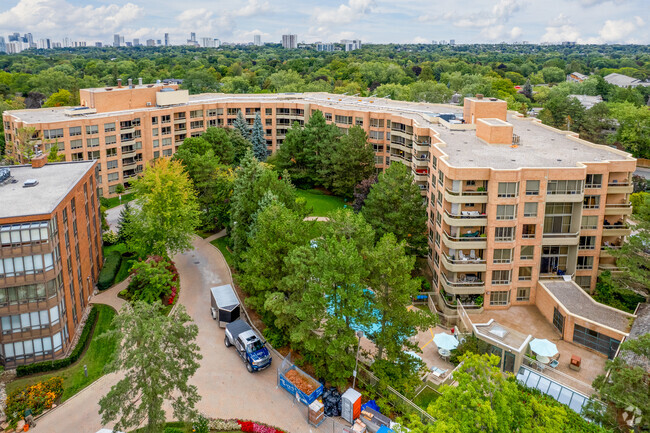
x: 249, y: 345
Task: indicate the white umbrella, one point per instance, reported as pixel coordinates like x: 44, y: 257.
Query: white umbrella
x: 414, y: 355
x: 445, y: 341
x: 543, y: 347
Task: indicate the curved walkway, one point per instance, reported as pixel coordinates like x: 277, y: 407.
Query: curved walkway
x: 227, y: 389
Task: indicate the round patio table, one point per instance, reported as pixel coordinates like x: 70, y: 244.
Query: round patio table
x: 543, y: 359
x: 444, y: 352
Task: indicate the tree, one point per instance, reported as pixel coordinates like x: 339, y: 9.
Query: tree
x: 361, y: 192
x: 553, y: 74
x: 23, y: 148
x: 53, y: 155
x: 59, y: 99
x: 393, y: 290
x: 486, y: 400
x: 258, y: 140
x: 394, y: 205
x: 527, y: 90
x: 241, y: 125
x: 221, y: 141
x: 347, y: 161
x: 152, y: 280
x: 625, y: 389
x: 634, y: 127
x: 157, y: 355
x: 253, y: 180
x: 124, y: 224
x: 166, y: 212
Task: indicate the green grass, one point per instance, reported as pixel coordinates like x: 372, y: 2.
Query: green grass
x: 117, y: 247
x: 321, y: 203
x: 97, y: 353
x: 115, y: 201
x: 222, y: 243
x: 125, y: 266
x: 204, y: 234
x: 426, y: 397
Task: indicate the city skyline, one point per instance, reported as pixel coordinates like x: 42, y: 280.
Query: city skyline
x: 375, y: 21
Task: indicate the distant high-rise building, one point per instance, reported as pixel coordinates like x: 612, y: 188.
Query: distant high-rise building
x: 166, y: 39
x: 452, y: 41
x: 324, y: 46
x: 56, y: 44
x: 136, y: 42
x: 158, y: 42
x: 351, y: 45
x: 14, y: 37
x: 257, y: 40
x: 290, y: 42
x: 193, y: 37
x: 217, y: 43
x: 151, y: 43
x: 66, y: 42
x: 98, y: 44
x: 207, y: 42
x: 43, y: 44
x: 3, y: 45
x: 116, y: 40
x: 128, y: 44
x: 29, y: 39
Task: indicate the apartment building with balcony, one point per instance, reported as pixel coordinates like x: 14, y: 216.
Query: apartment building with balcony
x: 50, y: 256
x: 511, y: 203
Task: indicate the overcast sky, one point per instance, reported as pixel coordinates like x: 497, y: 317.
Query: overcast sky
x: 405, y: 21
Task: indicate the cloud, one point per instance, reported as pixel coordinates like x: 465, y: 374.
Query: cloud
x: 599, y: 2
x: 59, y: 16
x: 619, y: 30
x: 204, y: 20
x: 346, y: 13
x: 420, y: 40
x: 560, y: 29
x: 254, y: 7
x: 515, y: 32
x: 500, y: 14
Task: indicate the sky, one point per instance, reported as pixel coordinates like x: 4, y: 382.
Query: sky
x: 372, y: 21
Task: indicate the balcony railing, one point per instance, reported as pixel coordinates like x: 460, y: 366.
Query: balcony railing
x: 467, y: 215
x: 466, y: 238
x: 561, y: 235
x: 467, y: 192
x: 475, y: 283
x: 465, y: 261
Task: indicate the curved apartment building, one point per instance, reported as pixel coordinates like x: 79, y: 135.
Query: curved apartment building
x: 511, y: 202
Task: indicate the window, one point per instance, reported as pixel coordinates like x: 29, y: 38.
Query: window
x: 166, y: 142
x: 564, y: 187
x: 76, y: 144
x: 154, y: 132
x: 154, y: 120
x: 345, y: 120
x: 501, y: 277
x: 74, y: 131
x: 110, y: 139
x: 92, y: 129
x: 109, y: 127
x: 595, y: 340
x: 589, y: 222
x: 167, y: 152
x: 527, y: 252
x: 358, y: 121
x: 166, y: 130
x: 585, y: 262
x: 530, y: 209
x: 92, y: 142
x: 587, y: 243
x: 500, y: 297
x: 508, y: 189
x: 196, y: 124
x: 156, y: 154
x: 528, y: 231
x: 156, y: 143
x: 594, y: 181
x: 504, y: 234
x: 196, y: 113
x: 26, y: 265
x: 532, y: 187
x: 50, y: 134
x: 584, y: 281
x: 112, y: 177
x: 111, y: 165
x: 166, y: 118
x: 558, y: 320
x: 523, y: 294
x: 93, y: 155
x: 441, y: 178
x: 525, y: 273
x: 111, y: 152
x: 376, y: 123
x: 376, y: 135
x: 591, y: 202
x: 506, y: 211
x: 502, y: 256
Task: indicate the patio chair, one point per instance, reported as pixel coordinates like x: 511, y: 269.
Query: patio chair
x: 554, y: 363
x: 472, y: 255
x: 461, y: 256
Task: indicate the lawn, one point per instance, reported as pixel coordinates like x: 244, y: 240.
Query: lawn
x: 95, y: 357
x: 110, y: 203
x: 321, y: 203
x: 125, y: 265
x: 222, y: 243
x: 426, y: 397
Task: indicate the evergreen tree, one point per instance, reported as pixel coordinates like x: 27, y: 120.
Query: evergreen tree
x: 124, y: 224
x: 220, y: 140
x: 158, y: 355
x: 527, y: 90
x: 395, y: 205
x: 241, y: 146
x: 258, y: 140
x: 241, y: 125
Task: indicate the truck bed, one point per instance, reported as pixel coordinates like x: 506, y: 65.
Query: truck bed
x: 237, y: 327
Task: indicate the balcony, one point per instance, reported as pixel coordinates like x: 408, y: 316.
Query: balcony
x: 620, y: 188
x: 616, y: 230
x: 468, y: 196
x: 463, y: 287
x: 468, y: 241
x: 565, y: 196
x: 421, y: 176
x: 127, y: 130
x: 128, y: 152
x: 551, y: 239
x: 422, y: 162
x: 618, y: 209
x: 465, y: 219
x: 421, y: 147
x: 463, y: 265
x: 602, y: 267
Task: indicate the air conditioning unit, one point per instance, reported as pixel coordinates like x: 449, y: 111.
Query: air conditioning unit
x: 148, y: 104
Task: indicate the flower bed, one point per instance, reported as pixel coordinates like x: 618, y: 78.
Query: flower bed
x: 232, y: 425
x: 254, y: 427
x: 38, y: 397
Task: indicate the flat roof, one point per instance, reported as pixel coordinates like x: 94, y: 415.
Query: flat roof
x: 539, y: 146
x: 501, y: 333
x: 55, y: 181
x: 579, y: 303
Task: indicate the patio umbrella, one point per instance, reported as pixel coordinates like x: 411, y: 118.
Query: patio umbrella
x: 414, y: 355
x: 543, y: 347
x: 445, y: 341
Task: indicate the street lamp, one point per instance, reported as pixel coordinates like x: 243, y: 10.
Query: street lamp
x: 356, y: 362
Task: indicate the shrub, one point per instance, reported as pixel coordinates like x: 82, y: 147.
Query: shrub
x: 37, y: 397
x: 39, y: 367
x: 108, y: 272
x: 109, y: 238
x: 174, y: 430
x: 153, y: 280
x: 201, y: 425
x: 471, y: 344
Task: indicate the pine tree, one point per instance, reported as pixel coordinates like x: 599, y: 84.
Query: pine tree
x: 257, y: 138
x: 241, y: 125
x: 528, y: 90
x: 123, y: 224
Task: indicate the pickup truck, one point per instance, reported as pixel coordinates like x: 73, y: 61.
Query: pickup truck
x: 249, y: 345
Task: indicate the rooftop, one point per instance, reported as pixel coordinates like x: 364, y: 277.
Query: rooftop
x: 55, y: 181
x: 540, y: 146
x: 624, y: 81
x: 579, y: 303
x: 640, y: 327
x: 587, y: 101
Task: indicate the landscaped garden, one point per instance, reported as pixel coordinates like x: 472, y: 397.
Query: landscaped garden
x: 94, y: 358
x: 320, y: 203
x: 109, y: 203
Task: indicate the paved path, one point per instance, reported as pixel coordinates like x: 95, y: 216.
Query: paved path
x: 227, y: 389
x: 113, y: 215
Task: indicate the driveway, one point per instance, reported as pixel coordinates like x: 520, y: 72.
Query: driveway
x: 113, y: 215
x: 226, y: 387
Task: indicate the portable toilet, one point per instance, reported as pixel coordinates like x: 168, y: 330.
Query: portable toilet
x: 350, y: 405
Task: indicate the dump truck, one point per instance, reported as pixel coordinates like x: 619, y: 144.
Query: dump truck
x: 250, y: 347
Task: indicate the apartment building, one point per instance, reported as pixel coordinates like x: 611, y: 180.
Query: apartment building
x: 50, y: 256
x: 511, y: 203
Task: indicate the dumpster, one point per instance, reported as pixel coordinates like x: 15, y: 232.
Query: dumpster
x: 303, y: 387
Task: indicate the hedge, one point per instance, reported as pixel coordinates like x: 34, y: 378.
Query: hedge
x: 109, y: 271
x: 40, y: 367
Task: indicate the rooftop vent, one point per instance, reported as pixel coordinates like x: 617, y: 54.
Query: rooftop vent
x: 30, y: 183
x: 139, y: 81
x: 5, y: 174
x: 479, y: 96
